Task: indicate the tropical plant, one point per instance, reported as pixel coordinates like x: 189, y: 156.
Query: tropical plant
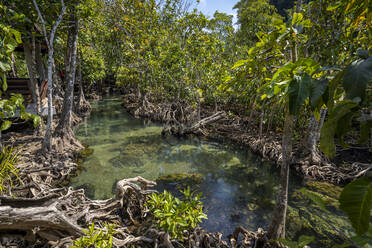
x: 174, y: 215
x: 10, y: 38
x: 347, y: 98
x: 96, y: 238
x: 8, y: 170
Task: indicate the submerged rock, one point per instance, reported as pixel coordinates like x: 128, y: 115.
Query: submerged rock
x: 80, y: 156
x: 181, y: 180
x: 308, y: 219
x: 181, y: 177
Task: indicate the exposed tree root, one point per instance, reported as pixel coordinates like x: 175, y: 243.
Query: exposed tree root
x: 59, y: 218
x: 169, y: 113
x: 197, y: 128
x: 242, y: 130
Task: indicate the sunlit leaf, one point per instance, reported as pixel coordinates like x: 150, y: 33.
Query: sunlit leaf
x: 356, y: 200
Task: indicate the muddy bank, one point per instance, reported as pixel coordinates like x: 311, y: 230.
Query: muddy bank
x: 241, y: 130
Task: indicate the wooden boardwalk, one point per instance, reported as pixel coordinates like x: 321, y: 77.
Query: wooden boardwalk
x: 23, y: 86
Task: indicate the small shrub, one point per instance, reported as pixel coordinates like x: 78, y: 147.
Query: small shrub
x: 175, y: 216
x: 96, y: 238
x: 8, y: 159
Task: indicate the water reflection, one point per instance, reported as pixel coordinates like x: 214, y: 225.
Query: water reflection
x: 238, y: 188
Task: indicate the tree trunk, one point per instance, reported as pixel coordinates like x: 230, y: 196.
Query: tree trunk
x: 40, y: 62
x: 277, y: 225
x: 13, y: 66
x: 315, y: 127
x: 30, y: 62
x: 80, y: 108
x: 252, y: 108
x: 64, y: 128
x: 47, y: 142
x: 262, y: 119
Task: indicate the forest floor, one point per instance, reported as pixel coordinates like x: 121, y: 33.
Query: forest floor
x: 239, y: 129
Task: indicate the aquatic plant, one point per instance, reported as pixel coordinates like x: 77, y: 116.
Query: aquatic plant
x: 174, y: 215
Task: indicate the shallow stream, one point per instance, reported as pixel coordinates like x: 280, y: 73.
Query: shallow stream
x: 238, y: 187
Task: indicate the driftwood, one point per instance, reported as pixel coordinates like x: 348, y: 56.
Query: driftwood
x: 197, y: 128
x: 60, y: 216
x: 55, y: 216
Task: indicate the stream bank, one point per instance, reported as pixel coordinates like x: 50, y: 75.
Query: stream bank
x: 41, y: 188
x: 241, y: 130
x: 238, y: 187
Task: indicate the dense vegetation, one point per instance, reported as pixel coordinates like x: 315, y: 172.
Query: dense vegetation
x: 302, y: 69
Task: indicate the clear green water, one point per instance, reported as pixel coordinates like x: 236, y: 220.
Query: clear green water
x: 238, y: 188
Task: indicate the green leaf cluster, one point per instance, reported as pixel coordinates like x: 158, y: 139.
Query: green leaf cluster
x: 174, y: 215
x: 8, y: 167
x: 96, y: 237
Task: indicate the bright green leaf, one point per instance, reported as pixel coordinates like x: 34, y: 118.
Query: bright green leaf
x: 356, y: 200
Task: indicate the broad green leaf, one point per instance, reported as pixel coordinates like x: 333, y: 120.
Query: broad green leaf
x: 343, y: 126
x: 355, y: 201
x: 286, y: 69
x: 239, y: 63
x: 36, y: 120
x: 5, y: 125
x: 331, y: 90
x: 318, y: 87
x: 297, y: 18
x: 334, y: 6
x: 17, y: 35
x: 358, y: 74
x: 307, y: 23
x: 299, y: 91
x: 4, y: 66
x: 327, y: 143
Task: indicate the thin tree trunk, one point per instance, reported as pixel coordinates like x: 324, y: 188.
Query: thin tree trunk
x: 252, y: 108
x: 31, y: 73
x: 81, y: 98
x: 47, y: 143
x: 65, y: 122
x: 277, y: 225
x: 40, y: 62
x: 13, y: 66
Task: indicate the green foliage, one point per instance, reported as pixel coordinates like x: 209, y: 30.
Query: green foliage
x: 10, y: 38
x: 96, y: 238
x: 9, y: 107
x: 174, y: 215
x: 299, y: 91
x: 354, y: 80
x: 8, y: 170
x: 357, y: 75
x: 329, y: 130
x: 356, y: 200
